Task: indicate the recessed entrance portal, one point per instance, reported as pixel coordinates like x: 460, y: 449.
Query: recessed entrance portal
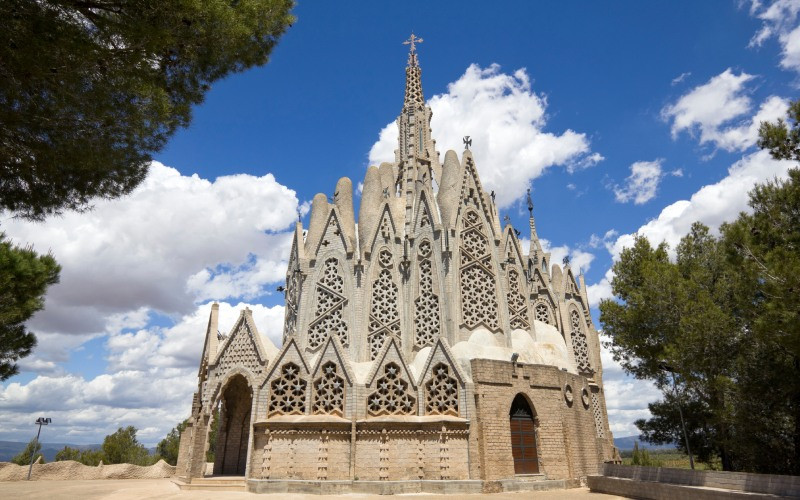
x: 234, y: 428
x: 523, y: 437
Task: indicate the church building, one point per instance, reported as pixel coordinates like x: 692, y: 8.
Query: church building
x: 420, y: 343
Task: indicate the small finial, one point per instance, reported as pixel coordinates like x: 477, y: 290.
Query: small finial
x: 565, y: 261
x: 299, y: 217
x: 492, y: 195
x: 506, y: 219
x: 467, y: 142
x: 413, y: 40
x: 530, y: 202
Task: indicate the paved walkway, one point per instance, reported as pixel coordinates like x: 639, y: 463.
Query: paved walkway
x: 130, y: 489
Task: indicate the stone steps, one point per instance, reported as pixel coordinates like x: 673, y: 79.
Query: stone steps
x: 223, y: 483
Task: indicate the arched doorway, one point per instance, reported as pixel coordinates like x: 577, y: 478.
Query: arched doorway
x: 523, y: 437
x: 233, y: 434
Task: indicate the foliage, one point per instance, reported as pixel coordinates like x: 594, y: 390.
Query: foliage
x: 725, y: 316
x: 90, y: 89
x: 24, y: 278
x: 168, y: 447
x: 91, y: 457
x: 122, y: 447
x: 642, y: 457
x: 782, y: 139
x: 33, y: 447
x: 68, y: 454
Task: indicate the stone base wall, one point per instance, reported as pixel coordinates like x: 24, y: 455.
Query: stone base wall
x: 566, y: 433
x: 72, y: 470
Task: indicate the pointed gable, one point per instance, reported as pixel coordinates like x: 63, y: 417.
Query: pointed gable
x: 424, y: 217
x: 390, y: 384
x: 332, y: 237
x: 332, y: 381
x: 386, y: 230
x: 334, y: 352
x: 286, y: 386
x: 472, y: 192
x: 511, y: 247
x: 242, y: 348
x: 442, y: 383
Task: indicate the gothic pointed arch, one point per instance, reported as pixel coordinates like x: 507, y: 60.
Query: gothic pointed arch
x: 330, y: 303
x: 543, y: 303
x: 524, y: 449
x: 390, y: 385
x: 424, y: 217
x: 472, y: 192
x: 384, y: 307
x: 427, y: 312
x: 442, y: 382
x: 477, y: 275
x: 332, y: 380
x: 285, y: 388
x: 580, y: 346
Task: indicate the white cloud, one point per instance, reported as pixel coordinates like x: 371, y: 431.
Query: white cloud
x: 84, y: 410
x: 506, y: 121
x: 712, y: 205
x: 175, y: 241
x: 715, y: 109
x: 779, y: 20
x: 641, y: 186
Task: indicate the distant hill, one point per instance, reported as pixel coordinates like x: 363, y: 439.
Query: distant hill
x: 626, y: 443
x: 8, y: 449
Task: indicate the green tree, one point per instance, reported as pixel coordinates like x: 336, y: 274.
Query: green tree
x: 90, y: 89
x: 68, y: 454
x: 33, y: 447
x: 91, y: 457
x: 782, y: 138
x: 168, y: 447
x: 122, y: 447
x: 24, y: 278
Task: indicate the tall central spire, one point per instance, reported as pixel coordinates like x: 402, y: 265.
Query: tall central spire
x: 413, y: 75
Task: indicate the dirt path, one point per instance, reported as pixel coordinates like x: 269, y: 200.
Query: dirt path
x: 135, y: 489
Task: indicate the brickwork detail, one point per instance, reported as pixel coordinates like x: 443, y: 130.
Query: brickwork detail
x: 322, y: 456
x: 579, y: 344
x: 329, y: 392
x: 384, y: 318
x: 517, y: 305
x: 241, y: 352
x: 441, y: 392
x: 597, y: 409
x: 392, y: 396
x: 288, y: 392
x: 426, y: 306
x: 329, y: 314
x: 478, y: 293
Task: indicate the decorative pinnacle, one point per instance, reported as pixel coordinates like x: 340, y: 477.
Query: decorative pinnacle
x: 413, y: 40
x: 413, y: 75
x: 530, y: 203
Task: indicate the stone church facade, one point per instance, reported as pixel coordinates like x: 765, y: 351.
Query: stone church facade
x: 423, y: 343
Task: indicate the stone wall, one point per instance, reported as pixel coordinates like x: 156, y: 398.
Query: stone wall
x: 566, y: 436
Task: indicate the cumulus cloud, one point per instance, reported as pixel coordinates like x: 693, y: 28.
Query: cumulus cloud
x: 779, y: 20
x: 506, y: 120
x: 715, y: 112
x: 175, y: 241
x: 641, y: 186
x: 579, y: 260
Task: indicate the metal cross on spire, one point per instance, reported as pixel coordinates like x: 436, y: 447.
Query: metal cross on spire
x: 413, y: 40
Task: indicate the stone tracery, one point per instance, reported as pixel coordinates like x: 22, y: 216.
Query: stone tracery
x: 288, y: 392
x: 426, y: 306
x: 579, y: 345
x: 329, y: 391
x: 384, y: 318
x: 392, y: 396
x: 478, y: 295
x: 441, y: 392
x: 331, y: 302
x: 517, y: 305
x: 542, y: 313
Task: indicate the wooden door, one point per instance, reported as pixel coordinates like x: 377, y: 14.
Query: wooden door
x: 523, y: 438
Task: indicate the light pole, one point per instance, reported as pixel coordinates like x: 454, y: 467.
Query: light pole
x: 664, y: 366
x: 41, y: 421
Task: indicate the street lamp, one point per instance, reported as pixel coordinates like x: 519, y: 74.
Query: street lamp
x: 665, y: 367
x: 41, y: 421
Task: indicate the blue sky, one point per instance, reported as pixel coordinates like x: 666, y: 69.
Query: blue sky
x: 621, y: 116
